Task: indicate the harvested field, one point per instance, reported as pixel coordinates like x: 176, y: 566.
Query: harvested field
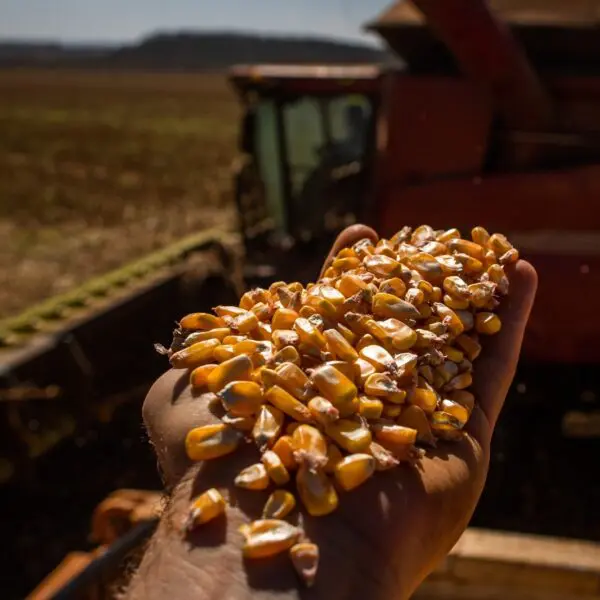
x: 97, y: 169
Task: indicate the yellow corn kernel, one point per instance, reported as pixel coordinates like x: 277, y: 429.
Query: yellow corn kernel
x: 370, y: 408
x: 205, y: 508
x: 421, y: 235
x: 201, y: 321
x: 450, y: 318
x: 436, y: 294
x: 469, y: 345
x: 382, y: 266
x: 394, y: 434
x: 464, y: 398
x: 292, y: 379
x: 481, y: 294
x: 309, y: 334
x: 356, y: 322
x: 415, y: 418
x: 401, y: 336
x: 284, y: 337
x: 254, y: 477
x: 509, y: 257
x: 346, y: 263
x: 220, y: 333
x: 435, y: 248
x: 323, y: 307
x: 199, y: 376
x: 309, y: 445
x: 332, y: 295
x: 323, y: 411
x: 286, y: 403
x: 350, y: 284
x: 364, y: 247
x: 424, y: 310
x: 267, y: 428
x: 394, y: 286
x: 316, y: 491
x: 295, y: 286
x: 276, y: 470
x: 195, y: 355
x: 211, y: 441
x: 385, y: 247
x: 497, y: 275
x: 346, y: 368
x: 229, y: 311
x: 458, y: 411
x: 334, y: 385
x: 388, y: 305
x: 448, y: 235
x: 347, y: 333
x: 490, y: 258
x: 443, y: 421
x: 232, y: 340
x: 279, y: 505
x: 467, y: 247
x: 354, y: 470
x: 262, y: 312
x: 284, y: 448
x: 452, y: 353
x: 334, y: 456
x: 345, y: 252
x: 499, y: 244
x: 480, y: 236
x: 391, y: 411
x: 470, y: 265
x: 237, y: 368
x: 263, y: 331
x: 305, y: 559
x: 284, y: 318
x: 223, y: 353
x: 288, y: 354
x: 379, y: 357
x: 447, y: 370
x: 252, y: 297
x: 455, y: 303
x: 364, y: 341
x: 307, y: 312
x: 424, y: 398
x: 268, y: 537
x: 362, y: 369
x: 350, y: 435
x: 456, y: 287
x: 339, y: 345
x: 244, y: 323
x: 427, y: 266
x: 241, y: 398
x: 380, y: 385
x: 240, y: 423
x: 487, y: 323
x: 415, y: 296
x: 275, y: 286
x: 460, y: 382
x: 450, y: 265
x: 384, y: 459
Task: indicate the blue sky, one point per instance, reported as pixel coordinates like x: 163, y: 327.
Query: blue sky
x: 128, y: 20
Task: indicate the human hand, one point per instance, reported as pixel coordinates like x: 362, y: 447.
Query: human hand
x: 387, y: 535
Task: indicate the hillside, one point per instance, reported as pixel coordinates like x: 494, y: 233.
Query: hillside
x: 190, y: 51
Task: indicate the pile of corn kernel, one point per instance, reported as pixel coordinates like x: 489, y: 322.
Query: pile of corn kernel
x: 344, y: 377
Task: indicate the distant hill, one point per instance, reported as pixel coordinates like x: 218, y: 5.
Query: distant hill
x: 190, y: 51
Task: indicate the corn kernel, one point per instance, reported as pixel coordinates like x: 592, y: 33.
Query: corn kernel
x: 391, y: 411
x: 305, y: 558
x: 254, y: 477
x: 240, y: 423
x: 350, y: 435
x: 448, y: 235
x: 284, y: 448
x: 285, y: 337
x: 223, y: 353
x: 480, y: 236
x: 268, y: 537
x: 509, y: 257
x: 339, y: 346
x: 199, y: 376
x: 379, y: 357
x: 424, y: 398
x: 370, y: 408
x: 267, y: 428
x: 487, y: 323
x: 201, y: 321
x: 415, y: 418
x: 364, y: 341
x: 323, y: 411
x: 279, y: 505
x: 284, y: 318
x: 194, y: 355
x: 450, y: 317
x: 469, y: 345
x: 384, y: 459
x: 461, y: 381
x: 205, y: 508
x: 293, y: 379
x: 395, y: 434
x: 287, y: 404
x: 275, y: 468
x: 219, y: 333
x: 388, y: 305
x: 354, y: 470
x: 499, y: 244
x: 241, y: 398
x: 229, y: 311
x: 211, y: 441
x: 237, y: 368
x: 316, y: 491
x: 309, y: 334
x: 334, y: 385
x: 334, y: 456
x: 380, y: 385
x: 464, y: 398
x: 458, y: 411
x: 309, y: 445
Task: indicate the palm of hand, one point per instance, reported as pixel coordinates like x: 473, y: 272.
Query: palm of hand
x: 403, y: 520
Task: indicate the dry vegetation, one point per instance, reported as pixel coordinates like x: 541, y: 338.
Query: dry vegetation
x: 97, y: 169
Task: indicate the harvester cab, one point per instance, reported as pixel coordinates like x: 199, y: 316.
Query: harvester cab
x: 307, y: 140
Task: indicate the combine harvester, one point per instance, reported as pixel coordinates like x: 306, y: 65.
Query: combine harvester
x: 494, y: 119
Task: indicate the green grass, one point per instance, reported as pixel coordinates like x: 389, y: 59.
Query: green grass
x: 97, y: 169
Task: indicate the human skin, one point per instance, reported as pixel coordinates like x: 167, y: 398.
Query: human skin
x: 384, y: 538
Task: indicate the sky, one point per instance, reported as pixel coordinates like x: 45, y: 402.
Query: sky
x: 129, y: 20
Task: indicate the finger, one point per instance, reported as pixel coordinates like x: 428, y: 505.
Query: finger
x: 496, y: 368
x: 348, y: 237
